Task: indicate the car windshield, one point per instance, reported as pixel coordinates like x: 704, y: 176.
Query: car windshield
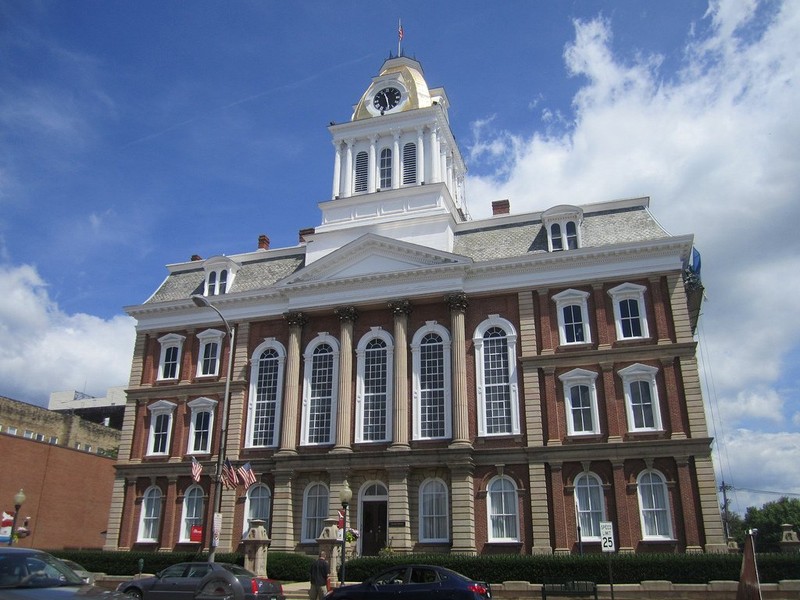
x: 34, y: 569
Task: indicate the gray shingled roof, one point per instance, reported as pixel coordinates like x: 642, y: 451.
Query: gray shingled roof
x: 252, y: 276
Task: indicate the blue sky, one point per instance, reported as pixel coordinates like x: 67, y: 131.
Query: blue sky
x: 136, y: 134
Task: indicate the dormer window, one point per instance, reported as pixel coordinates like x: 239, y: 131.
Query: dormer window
x: 563, y: 226
x: 220, y: 273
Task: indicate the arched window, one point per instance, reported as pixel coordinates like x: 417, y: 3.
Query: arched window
x: 641, y: 397
x: 192, y: 511
x: 433, y: 508
x: 654, y: 505
x: 320, y: 390
x: 169, y: 363
x: 409, y: 163
x: 573, y: 317
x: 266, y: 391
x: 496, y: 378
x: 315, y: 511
x: 210, y: 342
x: 430, y: 351
x: 150, y: 516
x: 362, y: 168
x: 503, y: 510
x: 580, y: 402
x: 160, y: 427
x: 374, y: 387
x: 629, y: 311
x: 257, y: 506
x: 589, y: 505
x: 386, y: 169
x: 572, y: 235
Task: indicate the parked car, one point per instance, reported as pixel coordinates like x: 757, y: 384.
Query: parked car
x: 203, y: 581
x: 28, y: 574
x: 414, y: 582
x: 87, y: 576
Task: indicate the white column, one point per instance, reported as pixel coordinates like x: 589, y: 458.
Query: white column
x: 435, y: 161
x: 371, y: 168
x: 347, y: 190
x: 420, y: 157
x: 337, y: 170
x: 396, y: 160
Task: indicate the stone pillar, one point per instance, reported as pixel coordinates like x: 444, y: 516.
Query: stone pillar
x: 291, y: 394
x: 540, y: 509
x: 328, y: 544
x: 347, y: 316
x: 115, y: 514
x: 434, y: 148
x: 283, y: 511
x: 399, y: 510
x: 396, y: 176
x: 234, y: 428
x: 347, y: 180
x: 457, y: 303
x: 555, y: 415
x: 713, y: 529
x: 371, y: 165
x: 463, y: 502
x: 256, y: 543
x: 789, y: 541
x: 401, y: 309
x: 559, y: 502
x: 420, y: 157
x: 672, y: 399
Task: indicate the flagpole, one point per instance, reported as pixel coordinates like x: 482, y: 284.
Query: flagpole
x: 399, y: 35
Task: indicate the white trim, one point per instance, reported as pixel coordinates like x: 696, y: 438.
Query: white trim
x: 587, y: 536
x: 204, y: 338
x: 416, y: 367
x: 489, y: 511
x: 247, y: 500
x: 567, y: 298
x: 578, y: 377
x: 185, y: 532
x: 156, y: 409
x: 513, y: 388
x: 629, y: 291
x: 668, y: 535
x: 305, y: 517
x: 308, y: 358
x: 361, y: 350
x: 422, y: 515
x: 269, y: 343
x: 159, y: 505
x: 171, y: 340
x: 635, y: 373
x: 199, y: 405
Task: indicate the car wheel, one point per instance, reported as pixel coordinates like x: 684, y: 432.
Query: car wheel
x: 217, y: 589
x: 133, y: 593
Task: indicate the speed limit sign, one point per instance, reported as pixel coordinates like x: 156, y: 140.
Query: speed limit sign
x: 607, y: 536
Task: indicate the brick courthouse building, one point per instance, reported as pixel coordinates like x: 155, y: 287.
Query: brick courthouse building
x: 481, y: 385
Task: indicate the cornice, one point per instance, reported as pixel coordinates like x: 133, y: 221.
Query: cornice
x: 617, y: 354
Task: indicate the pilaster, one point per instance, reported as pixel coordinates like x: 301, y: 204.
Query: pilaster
x: 291, y: 394
x: 401, y: 309
x: 347, y: 317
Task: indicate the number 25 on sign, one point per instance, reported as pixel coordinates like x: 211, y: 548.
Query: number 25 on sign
x: 607, y: 536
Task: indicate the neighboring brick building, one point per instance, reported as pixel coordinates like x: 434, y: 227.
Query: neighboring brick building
x: 68, y: 492
x: 480, y: 384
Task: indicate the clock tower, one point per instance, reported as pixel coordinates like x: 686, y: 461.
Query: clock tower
x: 396, y: 160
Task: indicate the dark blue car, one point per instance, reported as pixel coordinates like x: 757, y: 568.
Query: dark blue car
x: 415, y: 582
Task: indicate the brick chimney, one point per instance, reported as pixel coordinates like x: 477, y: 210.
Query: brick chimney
x: 304, y: 232
x: 500, y: 207
x: 196, y: 257
x: 263, y: 242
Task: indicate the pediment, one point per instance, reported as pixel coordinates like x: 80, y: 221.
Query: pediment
x: 374, y: 255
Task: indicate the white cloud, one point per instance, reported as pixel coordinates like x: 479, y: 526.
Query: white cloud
x: 715, y: 147
x: 43, y: 350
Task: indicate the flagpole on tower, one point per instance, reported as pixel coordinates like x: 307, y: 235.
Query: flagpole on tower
x: 399, y: 35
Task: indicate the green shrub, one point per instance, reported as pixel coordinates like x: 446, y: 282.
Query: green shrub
x: 626, y: 568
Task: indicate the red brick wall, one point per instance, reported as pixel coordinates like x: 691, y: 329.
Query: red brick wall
x: 68, y: 492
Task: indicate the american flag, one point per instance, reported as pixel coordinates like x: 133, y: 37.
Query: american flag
x: 197, y: 469
x: 399, y: 32
x: 229, y: 477
x: 246, y: 475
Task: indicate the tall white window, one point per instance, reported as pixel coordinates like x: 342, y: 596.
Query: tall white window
x: 386, y: 169
x: 170, y: 360
x: 257, y: 506
x: 201, y: 425
x: 496, y: 378
x: 573, y: 317
x: 629, y: 311
x: 434, y: 516
x: 430, y: 352
x: 409, y: 163
x: 160, y: 427
x: 374, y: 386
x: 315, y: 511
x: 654, y: 506
x: 641, y: 397
x: 210, y: 342
x: 150, y: 515
x: 266, y: 390
x: 589, y: 505
x: 192, y: 511
x: 362, y: 172
x: 503, y: 510
x: 580, y: 402
x: 320, y: 390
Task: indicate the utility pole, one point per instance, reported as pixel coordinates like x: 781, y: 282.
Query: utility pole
x: 725, y: 516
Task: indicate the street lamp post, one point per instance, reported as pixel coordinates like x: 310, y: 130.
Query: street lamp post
x: 19, y: 500
x: 202, y: 302
x: 345, y: 495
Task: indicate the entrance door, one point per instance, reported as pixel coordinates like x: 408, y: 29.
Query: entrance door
x: 373, y: 527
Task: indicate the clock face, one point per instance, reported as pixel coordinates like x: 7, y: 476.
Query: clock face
x: 386, y: 99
